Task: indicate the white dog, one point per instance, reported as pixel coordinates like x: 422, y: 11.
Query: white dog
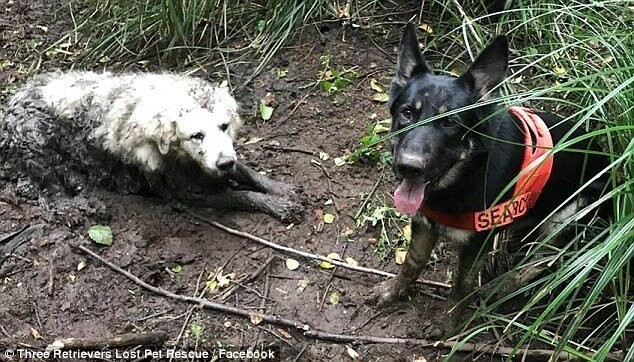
x: 64, y: 128
x: 140, y: 117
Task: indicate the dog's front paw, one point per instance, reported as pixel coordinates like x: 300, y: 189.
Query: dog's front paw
x: 286, y: 209
x: 386, y: 293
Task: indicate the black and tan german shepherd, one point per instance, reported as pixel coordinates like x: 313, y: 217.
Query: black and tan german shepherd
x: 455, y: 171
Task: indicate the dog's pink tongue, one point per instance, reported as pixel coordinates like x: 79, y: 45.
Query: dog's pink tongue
x: 409, y: 196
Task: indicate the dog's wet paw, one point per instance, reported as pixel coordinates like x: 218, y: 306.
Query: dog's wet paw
x: 287, y: 210
x: 386, y: 293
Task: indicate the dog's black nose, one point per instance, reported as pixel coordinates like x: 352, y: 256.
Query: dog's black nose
x: 409, y: 165
x: 225, y: 163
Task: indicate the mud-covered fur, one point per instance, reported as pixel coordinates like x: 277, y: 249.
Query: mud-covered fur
x: 132, y: 132
x: 462, y: 163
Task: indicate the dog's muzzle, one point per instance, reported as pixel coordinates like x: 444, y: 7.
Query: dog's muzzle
x: 225, y: 163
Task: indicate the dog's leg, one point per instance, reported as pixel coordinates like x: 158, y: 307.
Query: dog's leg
x: 423, y: 242
x: 470, y: 259
x: 246, y: 176
x: 276, y: 206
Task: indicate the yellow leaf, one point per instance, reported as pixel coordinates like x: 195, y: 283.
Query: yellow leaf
x: 426, y: 28
x: 380, y: 97
x: 351, y: 261
x: 326, y: 265
x: 407, y: 232
x: 560, y: 70
x: 329, y: 218
x: 291, y: 264
x: 399, y: 256
x: 333, y: 298
x: 375, y: 85
x: 35, y: 333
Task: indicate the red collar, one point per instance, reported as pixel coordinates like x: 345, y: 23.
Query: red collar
x: 534, y: 174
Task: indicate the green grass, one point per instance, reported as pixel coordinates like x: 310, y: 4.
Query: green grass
x: 573, y: 58
x: 576, y: 60
x: 193, y: 34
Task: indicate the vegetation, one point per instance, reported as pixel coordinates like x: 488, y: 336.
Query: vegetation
x: 578, y: 60
x: 575, y: 58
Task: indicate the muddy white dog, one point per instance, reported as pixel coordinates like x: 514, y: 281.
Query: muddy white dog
x: 127, y: 131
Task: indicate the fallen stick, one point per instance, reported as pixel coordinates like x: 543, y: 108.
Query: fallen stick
x: 305, y: 254
x: 118, y: 341
x: 309, y: 332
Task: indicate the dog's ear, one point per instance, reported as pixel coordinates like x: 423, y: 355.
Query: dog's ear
x: 410, y: 61
x: 489, y: 68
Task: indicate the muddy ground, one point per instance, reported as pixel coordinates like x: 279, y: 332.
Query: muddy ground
x: 43, y: 295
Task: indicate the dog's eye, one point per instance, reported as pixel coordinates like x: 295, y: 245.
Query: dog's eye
x: 197, y: 136
x: 224, y: 127
x: 407, y: 113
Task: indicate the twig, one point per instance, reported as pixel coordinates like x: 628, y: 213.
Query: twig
x: 122, y: 340
x: 367, y: 199
x: 295, y: 108
x: 288, y: 149
x: 299, y: 355
x: 307, y: 255
x: 37, y: 317
x: 51, y: 279
x: 328, y: 180
x: 190, y: 311
x: 152, y: 316
x: 309, y: 332
x: 249, y: 279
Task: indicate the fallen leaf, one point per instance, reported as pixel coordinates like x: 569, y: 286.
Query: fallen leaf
x: 212, y: 285
x: 291, y: 264
x: 352, y: 353
x: 253, y: 140
x: 302, y: 284
x: 329, y: 218
x: 265, y: 111
x: 340, y: 161
x: 426, y: 28
x: 324, y: 156
x: 327, y: 265
x: 197, y: 329
x: 407, y: 232
x: 81, y: 265
x: 256, y: 318
x: 281, y: 73
x: 35, y: 333
x: 560, y: 70
x: 380, y: 97
x: 100, y: 234
x: 284, y: 333
x: 177, y: 268
x: 351, y: 261
x: 399, y: 256
x: 380, y: 128
x: 375, y: 85
x: 333, y: 298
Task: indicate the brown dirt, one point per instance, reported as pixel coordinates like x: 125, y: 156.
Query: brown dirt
x: 151, y: 237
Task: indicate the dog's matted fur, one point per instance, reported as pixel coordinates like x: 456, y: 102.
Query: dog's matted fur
x: 172, y: 134
x: 462, y: 163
